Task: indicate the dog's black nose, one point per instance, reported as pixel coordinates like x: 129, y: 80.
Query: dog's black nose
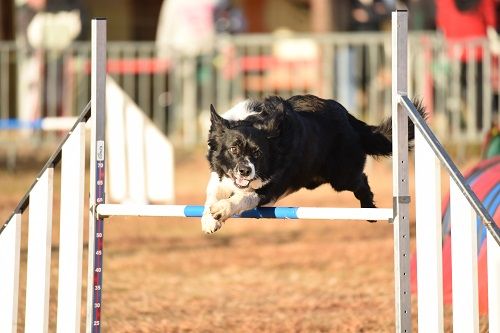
x: 244, y: 170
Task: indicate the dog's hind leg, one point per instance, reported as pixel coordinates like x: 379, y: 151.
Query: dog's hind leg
x: 361, y: 190
x: 363, y: 193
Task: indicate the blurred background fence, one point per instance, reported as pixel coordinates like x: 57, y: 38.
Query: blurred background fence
x: 462, y: 96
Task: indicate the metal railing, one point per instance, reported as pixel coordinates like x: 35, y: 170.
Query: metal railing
x: 462, y: 97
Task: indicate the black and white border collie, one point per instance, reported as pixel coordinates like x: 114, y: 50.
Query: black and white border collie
x: 261, y: 151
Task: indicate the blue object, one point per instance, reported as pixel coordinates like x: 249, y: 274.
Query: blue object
x: 256, y: 213
x: 13, y: 123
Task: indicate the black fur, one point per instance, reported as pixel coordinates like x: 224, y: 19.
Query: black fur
x: 303, y: 141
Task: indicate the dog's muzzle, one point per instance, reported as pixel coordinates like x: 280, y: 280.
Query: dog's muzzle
x: 243, y: 174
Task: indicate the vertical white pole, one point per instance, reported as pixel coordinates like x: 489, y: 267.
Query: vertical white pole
x: 97, y: 172
x: 493, y: 284
x: 39, y: 248
x: 400, y: 180
x: 10, y: 244
x: 429, y: 237
x: 71, y: 232
x: 135, y: 145
x: 116, y: 136
x: 464, y: 262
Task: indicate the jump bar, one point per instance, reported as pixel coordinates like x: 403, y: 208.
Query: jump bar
x: 310, y: 213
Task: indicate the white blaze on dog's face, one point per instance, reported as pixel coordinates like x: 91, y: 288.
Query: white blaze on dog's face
x: 239, y: 151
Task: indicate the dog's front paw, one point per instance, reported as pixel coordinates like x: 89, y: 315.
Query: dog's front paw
x: 209, y: 224
x: 221, y: 210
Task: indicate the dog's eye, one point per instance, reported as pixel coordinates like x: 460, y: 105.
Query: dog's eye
x: 233, y: 150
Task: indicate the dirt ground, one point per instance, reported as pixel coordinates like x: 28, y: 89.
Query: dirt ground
x: 164, y: 275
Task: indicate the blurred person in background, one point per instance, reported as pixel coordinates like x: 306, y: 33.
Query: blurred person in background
x: 186, y: 27
x: 462, y: 21
x: 422, y: 14
x: 186, y: 31
x: 44, y: 29
x: 228, y: 18
x: 186, y: 37
x: 370, y: 15
x: 364, y: 15
x: 29, y: 61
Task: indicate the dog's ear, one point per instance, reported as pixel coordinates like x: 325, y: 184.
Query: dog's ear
x: 217, y: 121
x: 273, y: 122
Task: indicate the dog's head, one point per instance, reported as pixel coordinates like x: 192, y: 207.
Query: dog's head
x: 242, y: 150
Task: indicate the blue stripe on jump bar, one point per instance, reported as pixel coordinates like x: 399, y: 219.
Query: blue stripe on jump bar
x: 193, y: 211
x: 9, y: 124
x: 256, y: 213
x: 271, y: 212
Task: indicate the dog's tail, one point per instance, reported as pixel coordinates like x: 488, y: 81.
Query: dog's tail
x: 377, y: 140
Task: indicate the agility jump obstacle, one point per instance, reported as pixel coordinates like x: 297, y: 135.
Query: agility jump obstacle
x: 429, y: 155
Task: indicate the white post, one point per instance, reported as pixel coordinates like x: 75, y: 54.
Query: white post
x: 493, y: 284
x: 428, y: 237
x: 97, y: 172
x: 10, y: 244
x: 135, y: 145
x: 39, y: 248
x: 464, y: 262
x: 71, y: 232
x: 400, y: 180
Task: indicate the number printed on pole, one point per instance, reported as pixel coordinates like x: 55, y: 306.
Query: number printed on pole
x: 100, y: 150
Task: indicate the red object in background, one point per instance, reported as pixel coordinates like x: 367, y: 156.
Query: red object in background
x: 458, y: 26
x: 127, y: 66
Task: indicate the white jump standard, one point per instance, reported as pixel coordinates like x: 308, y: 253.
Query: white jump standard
x: 71, y: 153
